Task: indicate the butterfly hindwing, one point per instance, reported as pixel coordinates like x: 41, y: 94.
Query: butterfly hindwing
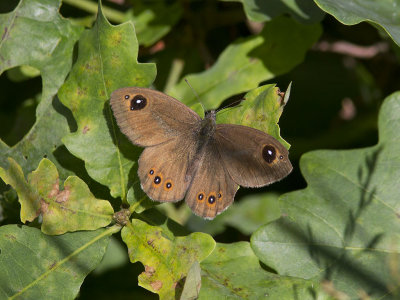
x: 211, y: 190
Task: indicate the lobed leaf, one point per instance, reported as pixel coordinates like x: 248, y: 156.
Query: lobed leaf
x: 344, y: 227
x: 36, y: 266
x: 385, y: 14
x: 153, y: 20
x: 304, y: 11
x: 245, y: 63
x: 107, y: 60
x: 260, y: 109
x: 166, y: 259
x: 232, y: 271
x: 23, y: 43
x: 73, y: 209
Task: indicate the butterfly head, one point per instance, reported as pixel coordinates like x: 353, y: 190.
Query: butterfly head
x: 208, y: 124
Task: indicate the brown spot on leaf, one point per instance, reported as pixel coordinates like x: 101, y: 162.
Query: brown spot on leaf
x: 150, y: 242
x: 156, y: 285
x: 63, y: 196
x: 81, y: 91
x: 53, y: 265
x: 149, y: 271
x: 10, y: 237
x: 44, y: 206
x: 85, y: 129
x: 54, y: 191
x: 221, y: 250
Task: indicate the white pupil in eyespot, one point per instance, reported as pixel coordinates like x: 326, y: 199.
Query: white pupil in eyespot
x: 269, y: 152
x: 138, y: 101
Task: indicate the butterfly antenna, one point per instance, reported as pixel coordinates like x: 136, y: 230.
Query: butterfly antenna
x: 231, y: 105
x: 197, y: 96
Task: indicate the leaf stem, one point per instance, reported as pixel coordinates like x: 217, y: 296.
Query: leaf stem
x: 111, y: 230
x: 133, y: 207
x: 91, y: 7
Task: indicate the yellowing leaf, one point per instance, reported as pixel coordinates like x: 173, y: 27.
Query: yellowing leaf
x: 71, y: 209
x: 166, y: 261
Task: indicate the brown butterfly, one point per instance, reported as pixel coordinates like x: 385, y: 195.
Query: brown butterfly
x: 193, y: 158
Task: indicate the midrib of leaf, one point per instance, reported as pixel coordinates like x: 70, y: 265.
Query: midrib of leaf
x: 218, y: 282
x: 225, y: 78
x: 361, y: 188
x: 79, y: 211
x: 320, y: 218
x: 109, y: 231
x: 121, y: 171
x: 14, y: 13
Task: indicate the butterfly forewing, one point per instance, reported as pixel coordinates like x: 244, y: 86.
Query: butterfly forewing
x: 149, y: 117
x: 251, y: 157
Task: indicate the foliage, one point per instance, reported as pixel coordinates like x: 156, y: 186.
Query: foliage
x: 69, y: 180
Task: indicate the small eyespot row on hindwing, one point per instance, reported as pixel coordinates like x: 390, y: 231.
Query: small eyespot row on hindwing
x: 151, y: 172
x: 157, y: 180
x: 168, y: 185
x: 211, y: 198
x: 138, y: 102
x: 126, y: 97
x: 269, y: 153
x: 200, y: 196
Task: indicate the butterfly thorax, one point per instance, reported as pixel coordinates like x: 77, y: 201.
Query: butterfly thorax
x: 208, y: 125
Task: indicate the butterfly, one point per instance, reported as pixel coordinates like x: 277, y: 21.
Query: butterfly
x: 188, y: 157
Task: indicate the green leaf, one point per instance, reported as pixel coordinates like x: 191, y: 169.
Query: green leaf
x: 23, y: 43
x: 261, y: 109
x: 166, y: 259
x: 107, y: 60
x: 344, y: 227
x: 245, y: 63
x: 247, y: 216
x: 232, y: 271
x: 385, y: 14
x: 304, y: 11
x: 192, y: 285
x: 36, y: 266
x: 154, y: 19
x: 73, y: 209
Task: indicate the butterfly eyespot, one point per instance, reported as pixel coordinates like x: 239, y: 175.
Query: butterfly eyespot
x: 151, y: 172
x: 200, y: 196
x: 157, y: 180
x: 269, y: 153
x: 168, y: 185
x: 281, y: 157
x: 211, y: 199
x: 219, y: 195
x: 126, y: 96
x: 138, y: 102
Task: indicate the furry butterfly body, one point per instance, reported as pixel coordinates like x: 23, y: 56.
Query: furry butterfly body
x: 193, y: 158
